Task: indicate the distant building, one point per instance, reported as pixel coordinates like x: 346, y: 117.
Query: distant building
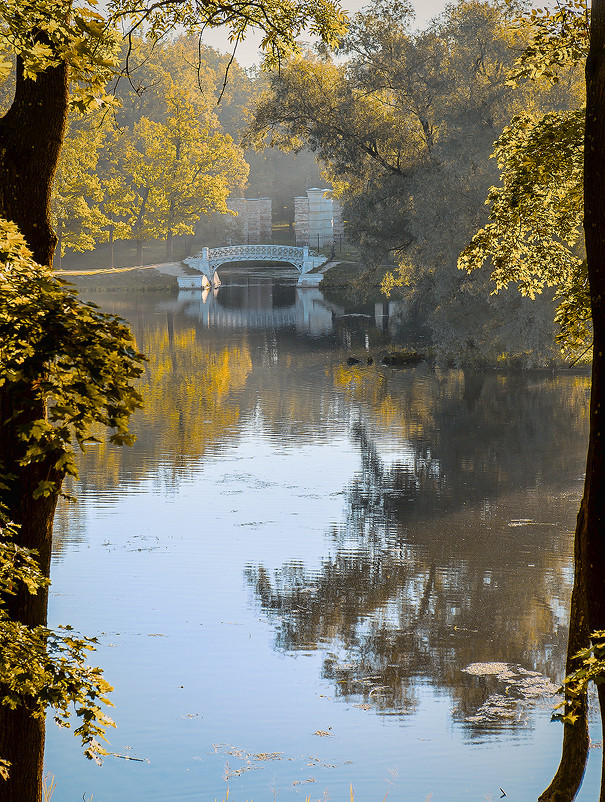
x: 252, y: 226
x: 317, y: 218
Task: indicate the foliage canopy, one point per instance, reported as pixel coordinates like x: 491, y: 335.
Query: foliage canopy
x: 404, y: 126
x: 534, y: 233
x: 65, y: 369
x: 47, y: 33
x: 75, y: 360
x: 41, y: 668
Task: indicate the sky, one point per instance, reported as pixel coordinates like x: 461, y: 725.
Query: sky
x: 248, y: 53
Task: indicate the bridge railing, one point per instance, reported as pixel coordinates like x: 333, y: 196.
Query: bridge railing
x: 248, y: 251
x: 208, y: 260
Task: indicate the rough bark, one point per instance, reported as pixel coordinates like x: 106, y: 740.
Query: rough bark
x: 34, y: 516
x: 594, y: 227
x: 31, y: 134
x: 21, y: 735
x: 22, y: 743
x: 574, y: 755
x: 593, y: 534
x: 58, y: 259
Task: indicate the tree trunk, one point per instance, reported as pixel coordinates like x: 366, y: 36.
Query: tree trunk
x: 22, y: 743
x: 588, y: 607
x: 138, y: 224
x: 567, y: 780
x: 31, y: 134
x: 169, y: 247
x: 21, y: 736
x: 34, y: 516
x: 592, y: 536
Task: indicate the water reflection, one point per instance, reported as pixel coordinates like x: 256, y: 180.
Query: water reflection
x: 215, y: 357
x: 257, y: 306
x: 249, y: 301
x: 412, y: 606
x: 433, y: 569
x: 453, y: 542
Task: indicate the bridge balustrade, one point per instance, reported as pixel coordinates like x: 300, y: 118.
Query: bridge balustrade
x: 208, y: 260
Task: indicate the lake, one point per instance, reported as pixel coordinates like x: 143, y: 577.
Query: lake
x: 308, y: 575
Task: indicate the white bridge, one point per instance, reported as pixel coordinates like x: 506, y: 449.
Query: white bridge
x: 208, y: 260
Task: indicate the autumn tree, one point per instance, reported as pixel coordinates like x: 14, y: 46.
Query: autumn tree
x: 78, y: 192
x: 64, y: 365
x: 181, y: 170
x: 158, y: 72
x: 65, y: 368
x: 571, y: 34
x: 118, y: 196
x: 404, y: 126
x: 94, y: 199
x: 59, y: 45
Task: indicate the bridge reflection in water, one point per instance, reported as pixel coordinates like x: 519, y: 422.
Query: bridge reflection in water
x: 254, y: 308
x: 262, y: 303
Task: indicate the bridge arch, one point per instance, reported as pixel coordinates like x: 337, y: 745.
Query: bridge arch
x: 208, y: 260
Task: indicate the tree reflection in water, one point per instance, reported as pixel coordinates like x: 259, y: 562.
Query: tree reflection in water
x: 455, y: 550
x: 432, y: 568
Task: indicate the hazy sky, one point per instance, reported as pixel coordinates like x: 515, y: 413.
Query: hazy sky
x: 247, y: 53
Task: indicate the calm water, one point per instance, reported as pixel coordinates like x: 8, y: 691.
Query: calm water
x: 293, y: 566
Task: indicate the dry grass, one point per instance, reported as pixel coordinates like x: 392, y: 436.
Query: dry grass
x: 48, y: 787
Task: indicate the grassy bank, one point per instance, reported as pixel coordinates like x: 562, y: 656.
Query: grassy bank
x: 141, y: 279
x: 343, y: 274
